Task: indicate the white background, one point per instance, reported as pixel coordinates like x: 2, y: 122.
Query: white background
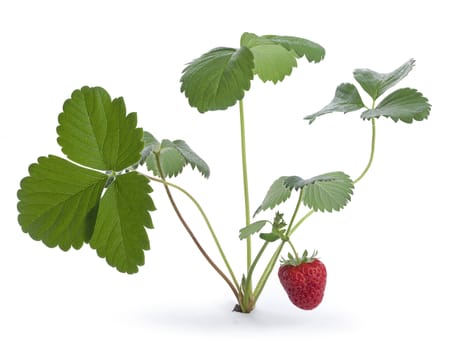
x: 392, y: 254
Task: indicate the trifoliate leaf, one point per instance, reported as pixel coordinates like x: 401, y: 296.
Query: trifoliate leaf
x: 119, y: 234
x: 346, y: 99
x: 275, y: 56
x: 95, y: 131
x: 327, y: 192
x: 405, y: 104
x: 192, y: 158
x: 218, y: 79
x: 252, y: 228
x: 375, y: 84
x: 59, y: 201
x: 277, y: 194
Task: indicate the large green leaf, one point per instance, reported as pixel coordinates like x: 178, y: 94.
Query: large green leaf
x: 326, y: 192
x: 58, y: 202
x: 275, y: 56
x: 277, y: 194
x: 95, y: 131
x: 119, y: 234
x: 375, y: 84
x: 218, y: 79
x: 346, y: 99
x: 405, y: 104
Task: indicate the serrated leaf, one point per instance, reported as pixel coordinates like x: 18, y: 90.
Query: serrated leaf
x: 273, y: 62
x: 95, y: 131
x: 58, y: 202
x: 171, y: 160
x: 346, y: 99
x: 192, y: 158
x: 302, y: 47
x: 327, y: 192
x: 119, y: 234
x: 405, y: 104
x: 277, y: 194
x: 218, y: 79
x: 375, y: 84
x: 275, y: 56
x: 252, y: 228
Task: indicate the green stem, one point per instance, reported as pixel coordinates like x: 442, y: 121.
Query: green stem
x: 245, y: 183
x: 371, y: 158
x: 256, y: 260
x: 271, y: 264
x: 166, y: 184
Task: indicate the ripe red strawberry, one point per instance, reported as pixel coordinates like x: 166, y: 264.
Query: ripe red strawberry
x: 304, y: 280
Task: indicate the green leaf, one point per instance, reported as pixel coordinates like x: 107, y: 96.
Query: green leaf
x: 252, y: 228
x: 277, y: 194
x: 375, y: 84
x: 346, y: 99
x: 405, y: 104
x: 151, y: 144
x: 302, y: 47
x: 218, y: 79
x: 275, y: 56
x: 58, y: 202
x: 273, y: 62
x: 174, y: 156
x: 119, y: 234
x: 192, y: 158
x: 95, y: 131
x: 171, y: 160
x: 327, y: 192
x: 269, y: 237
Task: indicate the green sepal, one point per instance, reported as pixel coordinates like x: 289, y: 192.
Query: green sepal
x: 59, y: 201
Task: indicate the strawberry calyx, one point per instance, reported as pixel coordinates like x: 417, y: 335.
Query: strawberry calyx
x: 297, y: 260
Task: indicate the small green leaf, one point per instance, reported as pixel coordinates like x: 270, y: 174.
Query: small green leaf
x: 174, y: 156
x: 375, y: 84
x: 252, y: 228
x: 95, y: 131
x: 171, y: 160
x: 192, y: 158
x: 119, y: 234
x: 346, y: 99
x: 269, y: 237
x: 405, y: 104
x: 277, y: 194
x: 327, y: 192
x: 218, y: 79
x: 58, y: 202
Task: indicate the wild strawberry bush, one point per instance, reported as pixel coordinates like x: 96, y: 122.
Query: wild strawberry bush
x: 101, y: 194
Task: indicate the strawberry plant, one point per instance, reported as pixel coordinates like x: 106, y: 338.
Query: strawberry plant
x: 101, y: 196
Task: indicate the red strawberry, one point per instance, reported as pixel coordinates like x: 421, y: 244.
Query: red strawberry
x: 304, y: 280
